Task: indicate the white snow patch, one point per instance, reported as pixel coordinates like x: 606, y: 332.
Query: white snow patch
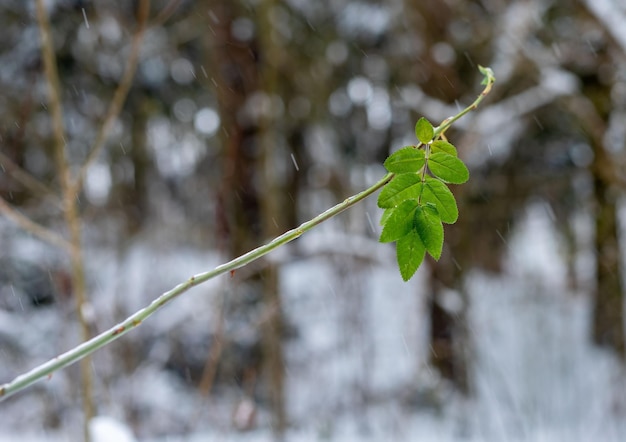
x: 107, y: 429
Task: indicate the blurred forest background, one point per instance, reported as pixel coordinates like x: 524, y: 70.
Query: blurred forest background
x: 189, y: 132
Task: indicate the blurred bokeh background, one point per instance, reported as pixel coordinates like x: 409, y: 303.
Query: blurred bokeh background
x: 245, y: 118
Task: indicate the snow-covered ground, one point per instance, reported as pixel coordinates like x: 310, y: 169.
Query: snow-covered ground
x: 356, y: 371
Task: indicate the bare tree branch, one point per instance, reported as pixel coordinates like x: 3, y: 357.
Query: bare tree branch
x: 28, y: 180
x: 32, y: 227
x: 70, y: 207
x: 166, y: 13
x: 54, y: 88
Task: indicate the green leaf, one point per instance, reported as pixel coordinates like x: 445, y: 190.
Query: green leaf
x: 429, y: 228
x: 448, y: 168
x: 406, y: 186
x: 400, y: 222
x: 443, y: 146
x: 385, y: 216
x: 439, y: 195
x: 410, y: 252
x: 406, y: 160
x: 424, y: 131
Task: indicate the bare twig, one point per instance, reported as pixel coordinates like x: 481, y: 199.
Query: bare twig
x: 33, y: 228
x: 115, y: 106
x: 488, y: 82
x: 54, y: 88
x: 70, y: 209
x: 71, y: 188
x: 27, y: 180
x: 209, y: 371
x: 165, y: 13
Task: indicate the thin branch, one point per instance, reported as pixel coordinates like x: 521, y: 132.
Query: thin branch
x: 28, y: 180
x: 70, y: 207
x: 488, y: 81
x: 209, y: 371
x: 115, y: 106
x: 33, y: 228
x: 87, y: 348
x: 54, y: 88
x: 165, y: 13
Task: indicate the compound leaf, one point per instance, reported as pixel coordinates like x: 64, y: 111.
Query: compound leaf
x: 406, y: 160
x: 448, y: 168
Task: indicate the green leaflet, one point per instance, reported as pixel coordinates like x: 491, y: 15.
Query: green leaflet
x: 424, y: 131
x: 385, y: 216
x: 406, y: 160
x: 448, y: 168
x: 410, y: 252
x: 428, y: 226
x: 400, y: 222
x: 403, y: 187
x: 443, y: 146
x: 439, y: 195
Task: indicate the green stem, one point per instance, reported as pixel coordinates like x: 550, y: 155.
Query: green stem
x: 25, y: 380
x: 488, y: 81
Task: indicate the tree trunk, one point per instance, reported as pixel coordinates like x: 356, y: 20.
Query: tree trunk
x: 272, y: 224
x: 132, y: 197
x: 249, y: 197
x: 449, y: 339
x: 608, y: 312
